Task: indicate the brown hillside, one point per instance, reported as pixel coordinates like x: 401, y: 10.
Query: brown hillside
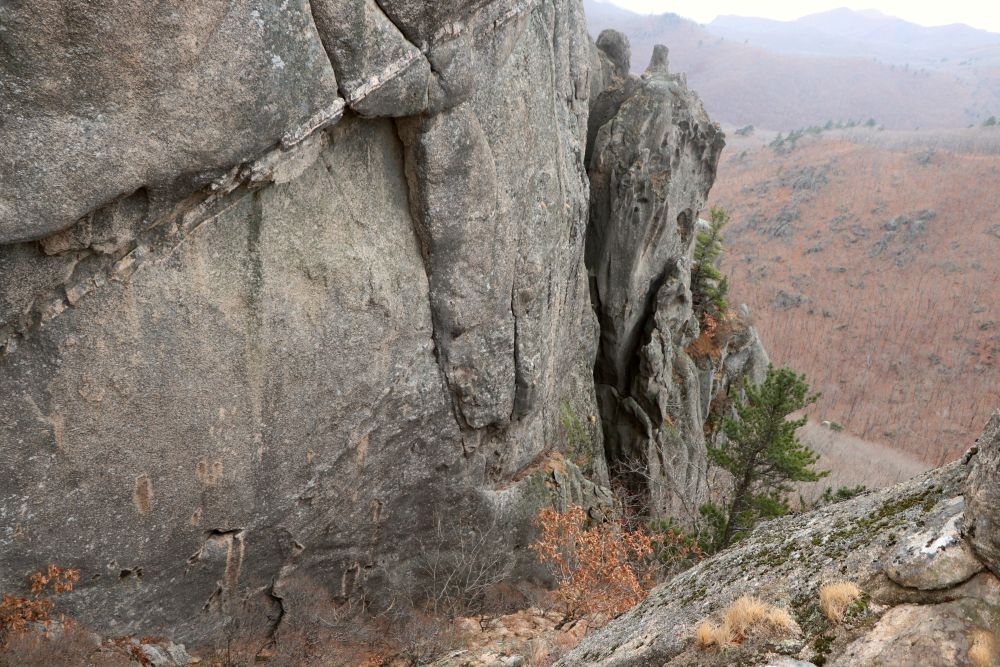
x: 869, y: 261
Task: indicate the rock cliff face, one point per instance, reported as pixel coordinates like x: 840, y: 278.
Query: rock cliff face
x: 652, y: 156
x: 286, y: 287
x: 919, y: 552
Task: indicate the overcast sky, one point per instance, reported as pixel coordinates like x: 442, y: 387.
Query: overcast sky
x: 983, y: 14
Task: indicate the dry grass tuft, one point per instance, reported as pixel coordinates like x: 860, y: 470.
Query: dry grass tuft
x: 709, y: 634
x: 835, y: 598
x: 747, y: 618
x: 982, y: 652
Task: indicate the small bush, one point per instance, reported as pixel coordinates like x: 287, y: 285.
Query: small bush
x: 835, y: 598
x: 709, y: 287
x: 761, y: 451
x: 674, y: 548
x: 576, y: 435
x: 829, y: 496
x: 601, y: 571
x: 745, y: 619
x: 461, y: 568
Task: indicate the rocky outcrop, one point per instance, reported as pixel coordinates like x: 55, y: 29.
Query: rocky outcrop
x: 926, y: 598
x: 101, y: 104
x: 298, y: 296
x: 309, y: 285
x: 652, y: 158
x: 982, y: 495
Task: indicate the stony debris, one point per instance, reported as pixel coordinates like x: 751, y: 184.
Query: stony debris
x: 528, y: 637
x: 164, y: 653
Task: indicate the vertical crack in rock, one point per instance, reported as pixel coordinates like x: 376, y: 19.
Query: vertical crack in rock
x: 222, y: 555
x: 378, y: 71
x: 422, y: 239
x: 256, y: 344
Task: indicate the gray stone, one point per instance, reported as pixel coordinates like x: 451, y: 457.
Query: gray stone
x: 616, y: 46
x: 455, y: 199
x: 982, y: 496
x: 282, y: 344
x: 100, y: 104
x: 380, y: 73
x: 936, y: 557
x: 652, y: 157
x: 165, y: 654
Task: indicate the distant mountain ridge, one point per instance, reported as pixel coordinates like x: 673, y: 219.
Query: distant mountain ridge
x: 864, y: 34
x: 790, y: 75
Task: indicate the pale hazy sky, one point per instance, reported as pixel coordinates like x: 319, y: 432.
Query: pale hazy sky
x: 983, y: 14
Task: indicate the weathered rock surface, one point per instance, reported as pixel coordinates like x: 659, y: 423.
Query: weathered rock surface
x: 937, y: 557
x: 982, y: 496
x: 361, y: 329
x: 924, y: 605
x: 298, y: 296
x: 934, y: 634
x: 652, y: 154
x: 100, y: 104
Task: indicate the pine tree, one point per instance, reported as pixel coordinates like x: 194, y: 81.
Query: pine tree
x: 762, y: 453
x: 708, y: 286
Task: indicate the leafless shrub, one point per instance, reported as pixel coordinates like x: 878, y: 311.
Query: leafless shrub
x: 462, y: 569
x: 63, y: 645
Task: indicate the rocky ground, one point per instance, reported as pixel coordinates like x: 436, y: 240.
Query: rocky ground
x: 923, y: 554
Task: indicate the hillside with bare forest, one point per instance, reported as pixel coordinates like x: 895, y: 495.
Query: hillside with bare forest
x: 868, y: 260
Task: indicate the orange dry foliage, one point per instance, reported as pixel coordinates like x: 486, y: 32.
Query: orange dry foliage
x: 20, y: 614
x: 602, y: 570
x: 705, y: 345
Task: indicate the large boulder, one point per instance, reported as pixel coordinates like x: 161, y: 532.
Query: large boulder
x: 982, y: 495
x: 924, y: 597
x: 297, y: 297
